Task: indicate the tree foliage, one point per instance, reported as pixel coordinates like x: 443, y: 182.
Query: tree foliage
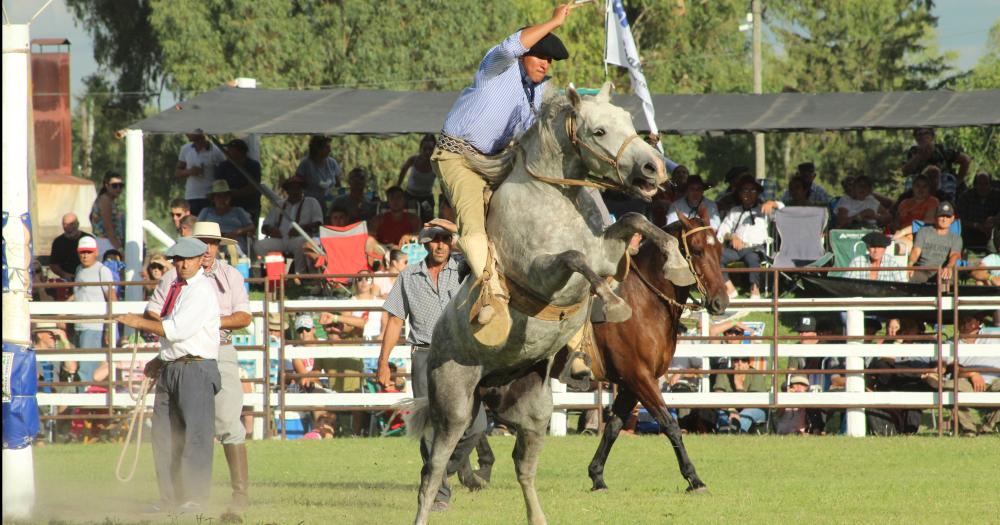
x: 687, y: 46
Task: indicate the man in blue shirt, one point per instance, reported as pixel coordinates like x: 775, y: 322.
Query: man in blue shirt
x: 500, y: 105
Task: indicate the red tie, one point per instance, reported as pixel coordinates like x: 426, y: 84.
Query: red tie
x: 172, y: 295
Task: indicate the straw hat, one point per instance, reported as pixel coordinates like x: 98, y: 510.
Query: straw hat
x: 210, y: 230
x: 44, y: 326
x: 219, y: 186
x: 274, y: 321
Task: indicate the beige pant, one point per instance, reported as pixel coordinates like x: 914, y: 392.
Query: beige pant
x: 464, y: 190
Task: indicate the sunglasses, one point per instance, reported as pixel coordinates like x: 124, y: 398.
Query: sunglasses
x: 116, y: 185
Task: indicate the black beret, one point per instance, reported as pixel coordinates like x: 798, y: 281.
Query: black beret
x: 876, y: 239
x: 549, y: 47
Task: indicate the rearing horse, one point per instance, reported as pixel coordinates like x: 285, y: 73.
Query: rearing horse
x: 554, y: 252
x: 635, y: 353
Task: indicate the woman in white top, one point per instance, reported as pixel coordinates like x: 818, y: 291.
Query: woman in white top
x: 744, y: 232
x: 860, y: 208
x: 395, y: 261
x: 419, y: 187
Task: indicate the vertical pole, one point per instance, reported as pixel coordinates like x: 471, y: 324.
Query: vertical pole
x: 758, y: 88
x: 253, y: 139
x: 855, y: 382
x: 20, y: 408
x: 135, y: 211
x: 557, y: 423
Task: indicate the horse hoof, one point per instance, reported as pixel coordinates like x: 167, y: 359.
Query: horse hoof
x: 618, y: 311
x: 698, y: 490
x: 599, y: 487
x: 474, y: 483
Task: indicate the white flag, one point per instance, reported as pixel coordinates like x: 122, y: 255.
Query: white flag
x: 620, y: 50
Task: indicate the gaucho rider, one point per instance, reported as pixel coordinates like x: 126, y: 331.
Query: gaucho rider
x: 500, y: 105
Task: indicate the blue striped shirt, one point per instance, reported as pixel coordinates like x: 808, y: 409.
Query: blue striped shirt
x: 495, y: 109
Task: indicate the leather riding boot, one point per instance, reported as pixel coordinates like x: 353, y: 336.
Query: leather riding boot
x: 676, y: 268
x: 578, y: 367
x: 239, y: 475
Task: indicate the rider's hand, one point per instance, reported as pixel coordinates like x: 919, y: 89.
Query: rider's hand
x: 560, y: 13
x: 383, y: 375
x: 736, y: 242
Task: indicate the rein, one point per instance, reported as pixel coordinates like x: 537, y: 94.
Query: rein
x: 697, y: 277
x: 595, y: 182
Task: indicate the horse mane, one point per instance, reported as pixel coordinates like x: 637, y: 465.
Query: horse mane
x: 496, y: 168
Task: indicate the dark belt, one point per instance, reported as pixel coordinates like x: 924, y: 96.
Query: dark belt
x: 187, y: 359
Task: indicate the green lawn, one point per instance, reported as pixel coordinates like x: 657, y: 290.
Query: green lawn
x: 760, y: 479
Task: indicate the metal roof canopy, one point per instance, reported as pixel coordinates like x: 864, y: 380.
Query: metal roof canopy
x: 374, y: 112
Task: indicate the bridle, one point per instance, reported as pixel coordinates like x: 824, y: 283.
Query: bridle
x: 697, y: 276
x: 590, y: 181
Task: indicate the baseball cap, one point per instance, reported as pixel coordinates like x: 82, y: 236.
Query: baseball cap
x: 304, y: 321
x: 86, y: 244
x: 945, y: 209
x: 428, y: 234
x: 187, y: 247
x: 806, y: 324
x: 799, y: 380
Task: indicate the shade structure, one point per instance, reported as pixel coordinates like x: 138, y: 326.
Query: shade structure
x: 376, y: 112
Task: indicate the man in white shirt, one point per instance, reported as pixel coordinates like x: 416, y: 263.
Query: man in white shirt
x: 187, y: 380
x: 196, y: 167
x: 744, y: 232
x: 282, y: 237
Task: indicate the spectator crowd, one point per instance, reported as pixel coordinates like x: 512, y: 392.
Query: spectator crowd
x: 940, y: 220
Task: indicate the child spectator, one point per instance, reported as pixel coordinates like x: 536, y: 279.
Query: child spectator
x: 393, y: 224
x: 920, y: 207
x: 793, y: 420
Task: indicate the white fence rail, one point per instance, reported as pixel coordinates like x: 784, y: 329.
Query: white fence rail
x: 854, y: 351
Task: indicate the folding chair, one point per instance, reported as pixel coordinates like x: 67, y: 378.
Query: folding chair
x: 800, y: 234
x: 345, y: 250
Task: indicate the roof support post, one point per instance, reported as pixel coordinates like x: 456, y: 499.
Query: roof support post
x: 135, y: 212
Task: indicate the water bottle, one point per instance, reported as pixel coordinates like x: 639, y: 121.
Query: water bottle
x: 243, y: 266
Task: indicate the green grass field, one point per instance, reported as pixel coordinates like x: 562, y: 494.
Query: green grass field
x: 759, y: 479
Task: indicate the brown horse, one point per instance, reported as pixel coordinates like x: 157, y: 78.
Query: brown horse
x: 637, y: 352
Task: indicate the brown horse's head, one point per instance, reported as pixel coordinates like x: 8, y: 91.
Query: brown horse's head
x: 703, y: 251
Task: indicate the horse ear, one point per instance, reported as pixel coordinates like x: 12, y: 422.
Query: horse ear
x: 573, y: 96
x: 605, y: 94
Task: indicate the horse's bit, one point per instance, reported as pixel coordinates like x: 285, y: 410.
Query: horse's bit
x: 697, y: 277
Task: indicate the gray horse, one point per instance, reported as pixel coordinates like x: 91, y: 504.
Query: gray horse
x: 554, y: 252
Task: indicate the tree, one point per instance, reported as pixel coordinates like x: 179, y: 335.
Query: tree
x: 848, y: 46
x: 982, y: 144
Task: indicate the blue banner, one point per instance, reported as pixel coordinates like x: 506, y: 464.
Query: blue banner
x: 20, y: 408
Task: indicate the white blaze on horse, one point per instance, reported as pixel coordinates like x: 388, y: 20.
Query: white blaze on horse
x: 554, y: 253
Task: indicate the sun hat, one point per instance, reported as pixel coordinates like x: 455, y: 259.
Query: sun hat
x: 219, y: 186
x: 274, y: 321
x: 210, y: 230
x: 44, y: 326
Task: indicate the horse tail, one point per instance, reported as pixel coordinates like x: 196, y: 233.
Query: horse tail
x: 493, y: 168
x: 416, y: 413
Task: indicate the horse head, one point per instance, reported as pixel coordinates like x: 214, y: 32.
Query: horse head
x: 703, y: 251
x: 609, y: 147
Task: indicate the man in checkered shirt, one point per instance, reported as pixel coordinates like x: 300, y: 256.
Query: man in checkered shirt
x: 419, y: 296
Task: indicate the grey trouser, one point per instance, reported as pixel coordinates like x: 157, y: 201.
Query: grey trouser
x: 418, y: 375
x: 229, y: 401
x: 183, y: 429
